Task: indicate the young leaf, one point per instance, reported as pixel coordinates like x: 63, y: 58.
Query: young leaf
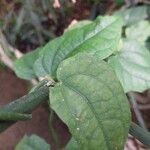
x: 32, y: 143
x: 139, y: 32
x: 132, y: 66
x: 100, y: 38
x: 91, y: 101
x: 23, y: 67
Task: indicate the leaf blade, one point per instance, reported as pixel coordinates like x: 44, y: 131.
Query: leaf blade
x: 90, y: 38
x: 82, y: 104
x: 134, y: 73
x: 23, y: 67
x: 32, y: 142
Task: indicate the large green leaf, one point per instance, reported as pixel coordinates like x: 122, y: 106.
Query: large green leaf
x: 23, y: 67
x: 72, y: 145
x: 99, y: 38
x: 133, y: 15
x: 132, y: 66
x: 91, y: 101
x: 32, y: 143
x: 139, y: 32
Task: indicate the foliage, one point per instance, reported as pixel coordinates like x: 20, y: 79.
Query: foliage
x: 102, y: 31
x: 132, y: 66
x: 25, y: 65
x: 87, y: 88
x: 84, y: 91
x: 133, y: 15
x: 32, y: 142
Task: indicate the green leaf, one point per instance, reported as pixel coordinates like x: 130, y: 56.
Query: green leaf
x: 78, y: 25
x: 133, y: 15
x: 72, y: 145
x: 23, y: 67
x: 91, y: 101
x: 132, y: 66
x: 139, y: 32
x: 32, y: 143
x: 100, y: 38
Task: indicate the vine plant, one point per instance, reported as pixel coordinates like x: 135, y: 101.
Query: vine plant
x: 87, y: 73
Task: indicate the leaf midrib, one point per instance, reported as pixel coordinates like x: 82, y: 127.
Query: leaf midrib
x: 94, y: 77
x: 100, y: 125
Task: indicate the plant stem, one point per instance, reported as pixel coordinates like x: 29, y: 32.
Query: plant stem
x: 28, y: 102
x: 24, y: 104
x: 13, y: 116
x: 52, y: 130
x: 136, y: 110
x: 142, y: 135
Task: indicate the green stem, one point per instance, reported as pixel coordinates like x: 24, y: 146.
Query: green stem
x: 39, y: 85
x: 139, y: 133
x: 13, y: 116
x: 24, y: 104
x: 52, y: 130
x: 28, y: 102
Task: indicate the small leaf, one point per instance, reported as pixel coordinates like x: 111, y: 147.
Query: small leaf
x: 100, y: 38
x: 132, y: 66
x: 139, y: 32
x: 32, y: 143
x: 91, y: 101
x: 133, y: 15
x: 24, y: 66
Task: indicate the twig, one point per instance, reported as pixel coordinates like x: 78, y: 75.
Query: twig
x: 140, y: 134
x: 93, y: 12
x: 52, y: 130
x: 25, y: 104
x: 5, y: 59
x: 146, y: 2
x: 5, y: 46
x: 136, y: 110
x: 143, y: 107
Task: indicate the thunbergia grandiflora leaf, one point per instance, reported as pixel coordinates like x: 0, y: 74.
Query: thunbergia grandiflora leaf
x: 90, y: 100
x: 133, y: 15
x: 139, y: 32
x: 99, y: 38
x: 23, y: 67
x: 132, y: 66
